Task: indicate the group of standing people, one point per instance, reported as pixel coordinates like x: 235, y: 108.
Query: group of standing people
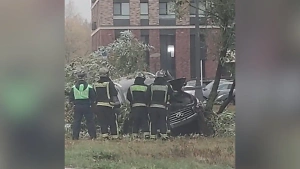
x: 148, y: 103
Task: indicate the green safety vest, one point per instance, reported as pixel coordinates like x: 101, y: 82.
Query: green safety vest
x: 104, y: 85
x: 137, y: 88
x: 81, y: 93
x: 163, y: 88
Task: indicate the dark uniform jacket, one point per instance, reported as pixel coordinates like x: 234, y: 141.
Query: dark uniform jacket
x: 102, y: 93
x: 137, y: 93
x: 159, y: 97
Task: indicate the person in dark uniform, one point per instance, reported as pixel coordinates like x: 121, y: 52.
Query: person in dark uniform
x: 137, y: 96
x: 106, y: 98
x: 82, y: 95
x: 160, y: 93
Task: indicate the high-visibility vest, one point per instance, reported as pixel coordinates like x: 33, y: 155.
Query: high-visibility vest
x: 81, y: 93
x: 137, y: 88
x: 103, y: 87
x: 159, y: 88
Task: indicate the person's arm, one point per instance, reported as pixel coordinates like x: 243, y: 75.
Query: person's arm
x: 112, y: 89
x: 148, y: 95
x: 71, y: 96
x: 129, y: 96
x: 114, y: 94
x: 92, y: 94
x: 170, y: 93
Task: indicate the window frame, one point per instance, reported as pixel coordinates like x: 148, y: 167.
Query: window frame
x: 143, y: 14
x: 166, y: 5
x: 121, y: 8
x: 201, y: 5
x: 168, y: 11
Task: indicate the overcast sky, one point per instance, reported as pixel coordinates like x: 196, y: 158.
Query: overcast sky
x: 83, y: 7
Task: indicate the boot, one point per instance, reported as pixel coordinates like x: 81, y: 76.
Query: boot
x: 146, y: 135
x: 164, y: 137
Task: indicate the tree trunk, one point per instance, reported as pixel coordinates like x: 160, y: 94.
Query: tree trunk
x: 213, y: 94
x: 228, y: 100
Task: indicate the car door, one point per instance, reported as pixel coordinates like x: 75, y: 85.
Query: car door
x: 224, y: 88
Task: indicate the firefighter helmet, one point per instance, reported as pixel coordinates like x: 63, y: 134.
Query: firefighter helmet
x: 103, y: 72
x: 160, y: 73
x: 140, y: 75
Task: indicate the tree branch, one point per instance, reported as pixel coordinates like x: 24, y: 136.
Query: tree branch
x: 205, y: 11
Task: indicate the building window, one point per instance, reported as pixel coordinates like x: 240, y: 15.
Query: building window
x: 94, y: 26
x: 144, y: 8
x: 201, y: 8
x: 121, y: 9
x: 165, y: 9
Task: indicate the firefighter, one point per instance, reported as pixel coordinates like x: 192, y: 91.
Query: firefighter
x: 160, y: 93
x: 137, y: 96
x: 106, y: 98
x: 82, y: 95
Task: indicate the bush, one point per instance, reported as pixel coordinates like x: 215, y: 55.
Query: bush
x: 224, y: 124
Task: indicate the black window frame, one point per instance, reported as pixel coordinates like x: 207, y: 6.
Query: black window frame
x: 121, y: 4
x: 166, y: 5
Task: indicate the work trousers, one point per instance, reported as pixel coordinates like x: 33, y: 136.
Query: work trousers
x: 107, y: 118
x: 140, y: 119
x: 158, y: 120
x: 79, y: 112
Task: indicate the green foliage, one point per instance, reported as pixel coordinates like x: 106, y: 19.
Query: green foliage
x: 127, y: 53
x: 223, y: 124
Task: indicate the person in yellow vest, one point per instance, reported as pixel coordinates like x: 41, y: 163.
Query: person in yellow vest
x: 82, y: 95
x: 160, y: 93
x: 137, y: 96
x: 106, y: 98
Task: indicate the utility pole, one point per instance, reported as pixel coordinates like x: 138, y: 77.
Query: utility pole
x: 198, y: 62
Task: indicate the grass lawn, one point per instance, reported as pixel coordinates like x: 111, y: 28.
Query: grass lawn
x: 179, y: 153
x: 230, y: 108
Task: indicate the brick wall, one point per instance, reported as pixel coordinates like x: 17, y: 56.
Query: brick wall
x: 99, y: 13
x: 135, y: 12
x: 105, y: 10
x: 106, y: 37
x: 153, y: 12
x: 94, y: 41
x: 213, y: 43
x: 154, y: 60
x: 94, y: 14
x: 182, y: 53
x: 137, y: 33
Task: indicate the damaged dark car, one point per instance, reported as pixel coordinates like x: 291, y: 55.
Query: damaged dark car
x: 186, y: 113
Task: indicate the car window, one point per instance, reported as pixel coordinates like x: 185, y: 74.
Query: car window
x: 229, y: 86
x: 223, y: 86
x: 191, y: 83
x: 210, y: 85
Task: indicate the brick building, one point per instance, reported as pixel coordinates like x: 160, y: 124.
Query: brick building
x: 153, y: 22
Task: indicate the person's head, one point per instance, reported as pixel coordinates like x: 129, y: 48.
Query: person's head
x: 103, y: 72
x: 81, y: 75
x: 140, y: 76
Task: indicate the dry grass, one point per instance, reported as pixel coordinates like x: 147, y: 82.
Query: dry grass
x: 180, y: 153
